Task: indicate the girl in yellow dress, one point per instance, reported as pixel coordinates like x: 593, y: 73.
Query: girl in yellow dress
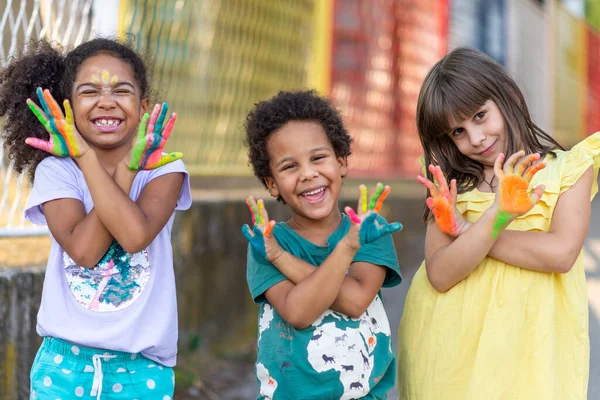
x: 498, y: 309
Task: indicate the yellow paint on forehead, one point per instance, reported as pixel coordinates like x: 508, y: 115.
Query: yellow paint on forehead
x: 104, y: 77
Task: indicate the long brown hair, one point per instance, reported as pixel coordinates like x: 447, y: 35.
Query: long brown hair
x: 456, y: 87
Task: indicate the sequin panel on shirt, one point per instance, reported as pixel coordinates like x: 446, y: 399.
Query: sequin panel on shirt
x: 113, y: 284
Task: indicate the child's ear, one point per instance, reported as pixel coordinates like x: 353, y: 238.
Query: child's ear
x: 343, y: 166
x: 272, y: 187
x: 145, y: 107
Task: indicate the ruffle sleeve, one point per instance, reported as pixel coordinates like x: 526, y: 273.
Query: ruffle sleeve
x: 583, y: 155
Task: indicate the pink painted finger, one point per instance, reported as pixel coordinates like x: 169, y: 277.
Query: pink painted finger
x: 39, y: 144
x: 251, y: 209
x: 169, y: 127
x: 269, y: 229
x: 428, y: 184
x: 534, y: 169
x: 353, y: 217
x: 498, y: 166
x: 153, y: 118
x: 165, y: 133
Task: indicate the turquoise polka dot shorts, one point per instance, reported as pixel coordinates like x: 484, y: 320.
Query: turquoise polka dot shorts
x: 64, y: 371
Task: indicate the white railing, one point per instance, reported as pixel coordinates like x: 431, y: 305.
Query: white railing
x: 67, y: 22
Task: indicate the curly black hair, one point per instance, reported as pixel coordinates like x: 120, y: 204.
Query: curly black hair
x: 53, y: 68
x: 270, y: 115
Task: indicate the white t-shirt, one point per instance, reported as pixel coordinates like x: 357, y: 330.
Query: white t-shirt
x: 128, y: 301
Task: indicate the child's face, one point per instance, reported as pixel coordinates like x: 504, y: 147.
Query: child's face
x: 481, y: 137
x: 107, y: 103
x: 305, y: 170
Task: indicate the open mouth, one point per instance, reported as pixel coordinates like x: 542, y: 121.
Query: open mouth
x: 107, y: 124
x: 314, y: 195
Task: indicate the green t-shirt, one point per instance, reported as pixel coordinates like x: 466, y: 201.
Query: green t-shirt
x: 337, y: 357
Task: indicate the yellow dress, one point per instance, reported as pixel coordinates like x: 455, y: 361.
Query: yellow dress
x: 503, y: 332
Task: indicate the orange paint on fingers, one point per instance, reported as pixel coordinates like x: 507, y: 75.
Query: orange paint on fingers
x: 384, y: 194
x: 269, y: 229
x: 444, y: 215
x: 531, y: 171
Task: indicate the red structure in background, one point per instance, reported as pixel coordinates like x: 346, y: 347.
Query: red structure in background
x: 382, y: 50
x: 592, y: 122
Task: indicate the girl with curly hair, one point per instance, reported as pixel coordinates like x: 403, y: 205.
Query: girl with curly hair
x: 108, y: 194
x: 323, y: 330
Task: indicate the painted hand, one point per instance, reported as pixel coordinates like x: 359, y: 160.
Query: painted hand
x: 512, y: 198
x: 147, y: 151
x: 261, y: 236
x: 64, y: 140
x: 442, y: 202
x: 370, y: 229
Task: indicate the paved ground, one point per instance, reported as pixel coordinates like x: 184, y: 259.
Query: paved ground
x: 394, y: 299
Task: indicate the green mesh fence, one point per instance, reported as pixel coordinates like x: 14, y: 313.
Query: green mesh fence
x: 213, y: 60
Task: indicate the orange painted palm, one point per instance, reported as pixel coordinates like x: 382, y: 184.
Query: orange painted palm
x: 442, y: 202
x: 513, y: 196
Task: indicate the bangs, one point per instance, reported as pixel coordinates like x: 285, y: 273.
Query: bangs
x: 448, y: 103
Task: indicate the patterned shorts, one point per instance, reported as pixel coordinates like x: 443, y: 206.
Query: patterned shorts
x: 62, y: 370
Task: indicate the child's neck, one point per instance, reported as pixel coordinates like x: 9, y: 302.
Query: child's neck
x: 316, y: 231
x: 490, y: 183
x: 110, y: 158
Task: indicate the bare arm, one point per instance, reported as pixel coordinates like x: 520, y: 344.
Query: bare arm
x: 357, y: 290
x: 133, y: 224
x: 300, y: 304
x: 558, y: 249
x: 83, y: 236
x: 448, y: 261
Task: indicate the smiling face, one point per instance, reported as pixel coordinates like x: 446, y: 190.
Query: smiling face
x: 107, y: 102
x: 305, y: 171
x: 481, y: 137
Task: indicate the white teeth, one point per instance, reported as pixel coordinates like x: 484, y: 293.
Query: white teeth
x: 107, y: 122
x: 313, y: 192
